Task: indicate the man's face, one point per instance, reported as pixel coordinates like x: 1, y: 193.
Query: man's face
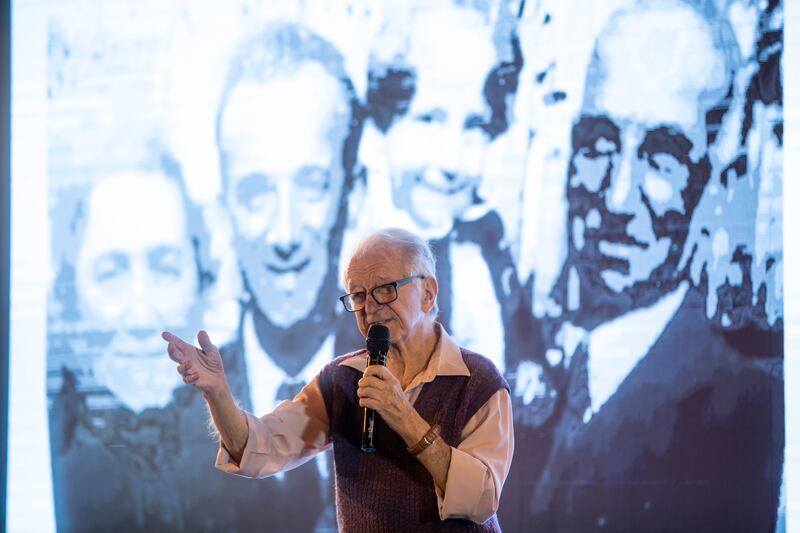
x: 136, y: 275
x: 635, y: 157
x: 414, y: 300
x: 282, y: 143
x: 436, y: 149
x: 627, y: 212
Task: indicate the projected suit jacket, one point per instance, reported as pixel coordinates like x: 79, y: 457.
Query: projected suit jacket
x: 692, y: 439
x: 154, y: 471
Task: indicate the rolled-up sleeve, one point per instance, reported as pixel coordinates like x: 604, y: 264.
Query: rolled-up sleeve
x: 283, y: 439
x: 480, y: 463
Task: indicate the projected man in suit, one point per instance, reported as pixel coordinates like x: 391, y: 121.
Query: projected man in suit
x: 115, y: 417
x: 440, y: 97
x: 287, y: 129
x: 664, y: 421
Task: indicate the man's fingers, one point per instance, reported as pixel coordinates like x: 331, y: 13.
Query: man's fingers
x: 367, y: 391
x: 183, y: 348
x: 174, y: 339
x: 368, y: 402
x: 378, y: 378
x: 373, y: 381
x: 184, y: 367
x: 175, y: 354
x: 205, y: 342
x: 378, y: 371
x: 210, y: 357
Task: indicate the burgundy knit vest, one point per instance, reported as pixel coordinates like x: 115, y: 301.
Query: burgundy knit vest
x: 390, y: 490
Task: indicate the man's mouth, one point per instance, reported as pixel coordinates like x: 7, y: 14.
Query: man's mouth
x: 443, y: 185
x: 621, y: 248
x: 455, y: 189
x: 617, y: 264
x: 286, y: 269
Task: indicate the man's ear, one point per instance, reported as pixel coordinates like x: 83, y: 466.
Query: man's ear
x: 430, y: 289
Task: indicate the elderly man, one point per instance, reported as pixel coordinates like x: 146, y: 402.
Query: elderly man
x: 446, y: 438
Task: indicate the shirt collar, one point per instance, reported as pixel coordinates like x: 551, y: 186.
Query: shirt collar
x: 445, y: 361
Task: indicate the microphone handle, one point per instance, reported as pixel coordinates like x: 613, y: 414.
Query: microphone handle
x: 371, y: 418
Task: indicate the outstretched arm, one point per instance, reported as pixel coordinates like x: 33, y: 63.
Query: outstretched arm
x: 202, y: 368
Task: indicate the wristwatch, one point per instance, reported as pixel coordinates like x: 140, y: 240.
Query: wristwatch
x: 426, y: 440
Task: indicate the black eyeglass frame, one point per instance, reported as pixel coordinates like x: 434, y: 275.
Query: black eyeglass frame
x: 395, y: 284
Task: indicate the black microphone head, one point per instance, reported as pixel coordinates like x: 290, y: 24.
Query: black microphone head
x: 378, y: 338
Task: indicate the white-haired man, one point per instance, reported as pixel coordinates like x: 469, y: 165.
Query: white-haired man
x: 447, y: 435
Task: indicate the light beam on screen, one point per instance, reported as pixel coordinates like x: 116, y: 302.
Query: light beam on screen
x: 29, y: 501
x: 791, y: 222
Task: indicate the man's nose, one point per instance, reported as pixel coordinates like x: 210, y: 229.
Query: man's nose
x: 285, y: 250
x: 284, y: 231
x: 622, y: 193
x: 139, y: 315
x: 447, y: 156
x: 371, y: 305
x: 450, y: 150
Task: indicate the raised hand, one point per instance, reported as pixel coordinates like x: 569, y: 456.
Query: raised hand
x: 200, y: 367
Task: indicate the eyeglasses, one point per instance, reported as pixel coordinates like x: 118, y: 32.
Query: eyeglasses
x: 383, y: 294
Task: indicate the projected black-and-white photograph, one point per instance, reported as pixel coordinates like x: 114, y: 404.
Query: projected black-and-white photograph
x: 601, y: 184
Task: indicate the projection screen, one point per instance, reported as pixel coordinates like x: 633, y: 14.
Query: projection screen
x: 601, y: 183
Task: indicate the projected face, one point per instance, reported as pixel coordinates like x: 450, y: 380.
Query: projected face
x: 136, y: 272
x: 436, y: 149
x: 635, y: 154
x: 282, y: 143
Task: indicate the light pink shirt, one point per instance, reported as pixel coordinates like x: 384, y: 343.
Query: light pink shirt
x: 297, y: 429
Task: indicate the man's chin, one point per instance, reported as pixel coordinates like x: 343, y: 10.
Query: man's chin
x: 283, y: 308
x: 432, y: 225
x: 434, y: 213
x: 150, y: 347
x: 289, y: 297
x: 284, y: 280
x: 134, y: 355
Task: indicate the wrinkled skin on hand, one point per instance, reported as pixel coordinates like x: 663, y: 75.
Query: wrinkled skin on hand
x: 200, y: 367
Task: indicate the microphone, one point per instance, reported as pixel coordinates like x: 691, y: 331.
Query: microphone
x: 377, y: 346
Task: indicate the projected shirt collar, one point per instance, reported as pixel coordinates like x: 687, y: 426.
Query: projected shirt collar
x: 264, y: 376
x: 614, y: 352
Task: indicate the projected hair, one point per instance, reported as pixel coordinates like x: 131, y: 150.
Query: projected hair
x: 70, y: 212
x: 391, y: 84
x: 282, y: 49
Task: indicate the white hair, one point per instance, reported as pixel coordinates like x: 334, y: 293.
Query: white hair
x: 415, y: 250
